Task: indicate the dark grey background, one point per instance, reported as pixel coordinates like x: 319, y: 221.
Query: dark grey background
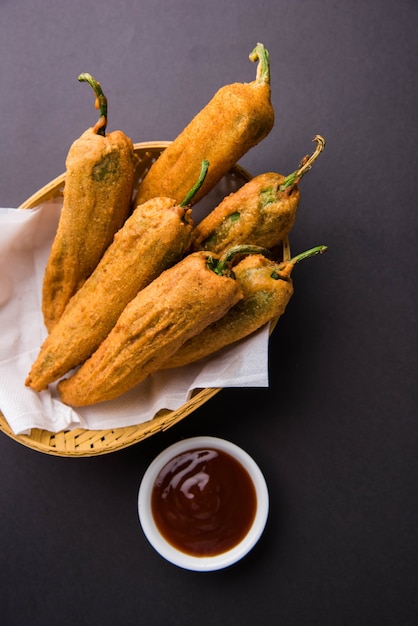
x: 336, y: 432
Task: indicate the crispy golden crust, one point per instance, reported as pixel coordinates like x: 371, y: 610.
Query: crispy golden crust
x: 174, y: 307
x: 97, y: 199
x: 237, y: 118
x: 153, y: 238
x: 265, y: 298
x: 257, y: 213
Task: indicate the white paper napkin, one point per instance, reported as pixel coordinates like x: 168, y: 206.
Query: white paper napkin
x: 26, y: 236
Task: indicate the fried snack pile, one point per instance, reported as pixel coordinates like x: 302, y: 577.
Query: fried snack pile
x: 154, y: 237
x: 177, y: 305
x: 132, y: 285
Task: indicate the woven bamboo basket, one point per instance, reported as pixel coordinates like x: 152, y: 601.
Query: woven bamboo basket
x: 81, y: 442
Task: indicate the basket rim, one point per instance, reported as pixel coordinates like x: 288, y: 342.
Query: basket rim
x: 82, y: 442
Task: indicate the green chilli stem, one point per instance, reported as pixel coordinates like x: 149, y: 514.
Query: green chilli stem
x: 193, y: 191
x: 101, y: 102
x: 306, y: 165
x: 261, y: 54
x: 221, y: 266
x: 307, y: 254
x: 285, y: 268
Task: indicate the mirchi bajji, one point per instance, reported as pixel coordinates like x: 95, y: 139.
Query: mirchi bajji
x: 267, y: 288
x: 178, y: 304
x: 98, y: 194
x: 261, y: 212
x: 236, y: 119
x: 153, y: 238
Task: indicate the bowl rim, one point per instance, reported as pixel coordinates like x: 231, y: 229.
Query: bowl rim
x: 157, y: 540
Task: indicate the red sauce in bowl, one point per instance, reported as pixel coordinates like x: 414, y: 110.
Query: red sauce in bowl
x: 203, y: 502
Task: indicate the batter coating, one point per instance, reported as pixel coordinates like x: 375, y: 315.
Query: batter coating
x: 237, y: 118
x: 262, y: 212
x: 174, y: 307
x: 97, y: 199
x: 267, y: 288
x: 153, y: 238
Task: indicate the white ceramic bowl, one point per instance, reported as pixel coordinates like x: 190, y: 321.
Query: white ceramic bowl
x: 166, y: 549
